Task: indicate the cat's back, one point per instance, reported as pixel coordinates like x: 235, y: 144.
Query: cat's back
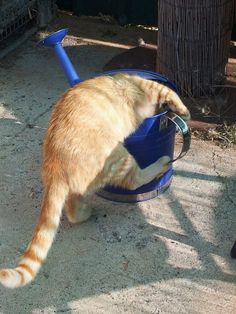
x: 98, y: 94
x: 87, y: 95
x: 95, y: 106
x: 94, y: 103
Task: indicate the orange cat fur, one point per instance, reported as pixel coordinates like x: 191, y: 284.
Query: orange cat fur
x: 83, y: 152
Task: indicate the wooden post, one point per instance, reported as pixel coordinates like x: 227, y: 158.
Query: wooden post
x: 193, y: 43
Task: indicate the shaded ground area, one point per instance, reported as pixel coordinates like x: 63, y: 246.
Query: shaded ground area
x: 167, y: 255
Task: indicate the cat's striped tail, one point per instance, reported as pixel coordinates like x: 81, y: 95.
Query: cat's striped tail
x: 32, y: 259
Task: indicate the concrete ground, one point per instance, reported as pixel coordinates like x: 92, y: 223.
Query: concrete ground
x: 167, y: 255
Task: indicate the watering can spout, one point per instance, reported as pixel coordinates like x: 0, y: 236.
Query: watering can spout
x: 54, y: 40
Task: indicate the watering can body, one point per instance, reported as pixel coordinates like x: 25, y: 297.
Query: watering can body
x: 154, y: 138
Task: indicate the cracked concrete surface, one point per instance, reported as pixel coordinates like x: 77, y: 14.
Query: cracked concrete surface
x: 167, y: 255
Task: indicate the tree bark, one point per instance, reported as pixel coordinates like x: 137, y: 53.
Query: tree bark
x: 193, y: 43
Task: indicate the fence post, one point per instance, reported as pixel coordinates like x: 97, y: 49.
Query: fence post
x: 193, y: 43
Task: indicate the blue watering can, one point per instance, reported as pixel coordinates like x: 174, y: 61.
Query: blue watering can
x: 153, y: 139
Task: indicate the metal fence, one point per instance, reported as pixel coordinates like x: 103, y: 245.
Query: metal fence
x: 17, y: 15
x: 14, y: 15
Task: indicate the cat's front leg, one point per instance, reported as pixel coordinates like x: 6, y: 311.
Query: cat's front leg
x: 130, y: 176
x: 155, y: 170
x: 165, y: 95
x: 175, y: 103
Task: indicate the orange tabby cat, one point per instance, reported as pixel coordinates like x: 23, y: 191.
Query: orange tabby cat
x: 83, y: 152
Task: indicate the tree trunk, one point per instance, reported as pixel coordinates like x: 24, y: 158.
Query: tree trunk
x: 193, y: 43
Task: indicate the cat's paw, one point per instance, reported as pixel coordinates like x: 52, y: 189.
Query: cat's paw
x: 79, y: 214
x: 163, y: 161
x: 82, y: 213
x: 186, y: 115
x: 163, y: 165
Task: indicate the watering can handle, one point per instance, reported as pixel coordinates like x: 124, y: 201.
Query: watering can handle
x: 185, y: 132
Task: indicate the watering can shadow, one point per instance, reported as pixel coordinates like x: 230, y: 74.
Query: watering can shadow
x: 153, y: 139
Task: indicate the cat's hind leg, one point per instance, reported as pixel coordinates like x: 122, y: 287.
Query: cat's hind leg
x: 76, y: 209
